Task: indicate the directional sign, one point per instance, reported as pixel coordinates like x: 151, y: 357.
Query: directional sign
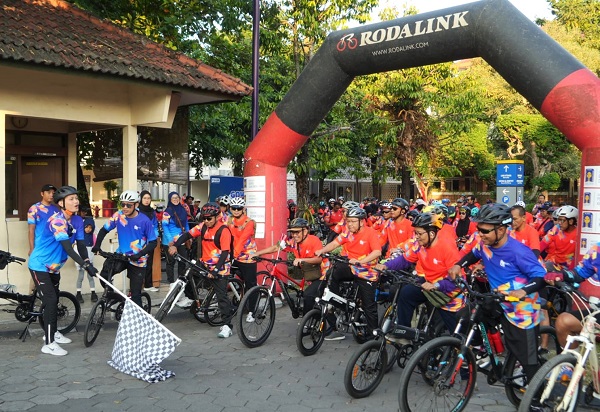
x: 510, y: 174
x: 507, y: 195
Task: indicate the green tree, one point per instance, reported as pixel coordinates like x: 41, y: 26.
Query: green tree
x: 581, y: 16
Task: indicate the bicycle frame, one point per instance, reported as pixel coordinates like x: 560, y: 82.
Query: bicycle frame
x: 285, y: 282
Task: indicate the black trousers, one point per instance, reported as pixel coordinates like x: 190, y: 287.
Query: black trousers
x: 148, y: 272
x: 314, y: 290
x: 47, y: 289
x: 182, y: 250
x: 220, y: 286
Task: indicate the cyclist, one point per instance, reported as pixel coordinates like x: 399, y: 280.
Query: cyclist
x: 441, y: 212
x: 38, y: 214
x: 512, y: 269
x: 398, y: 229
x: 303, y: 246
x: 335, y: 216
x: 544, y: 221
x: 433, y: 255
x: 464, y: 227
x: 562, y: 238
x: 521, y: 231
x: 361, y: 245
x: 528, y: 216
x: 174, y: 223
x: 53, y: 244
x: 215, y: 251
x: 137, y: 238
x: 569, y: 323
x: 244, y: 246
x: 223, y: 202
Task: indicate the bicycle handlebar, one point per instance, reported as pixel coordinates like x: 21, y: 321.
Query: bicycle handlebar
x: 496, y: 296
x: 199, y: 267
x: 113, y: 255
x: 336, y: 258
x: 10, y: 258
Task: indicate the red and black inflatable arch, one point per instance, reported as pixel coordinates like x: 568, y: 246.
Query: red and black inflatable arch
x: 550, y: 78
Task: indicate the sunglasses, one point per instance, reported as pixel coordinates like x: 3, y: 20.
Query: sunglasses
x: 463, y: 213
x: 395, y: 208
x: 485, y: 231
x: 237, y: 207
x: 127, y: 205
x: 207, y: 218
x: 385, y: 211
x: 295, y: 232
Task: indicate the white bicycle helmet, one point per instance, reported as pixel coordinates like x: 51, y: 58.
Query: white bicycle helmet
x: 520, y: 203
x: 237, y: 201
x: 332, y: 200
x: 130, y: 196
x: 225, y: 199
x: 569, y: 212
x: 350, y: 204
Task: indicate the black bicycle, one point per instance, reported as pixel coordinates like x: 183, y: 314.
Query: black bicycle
x: 346, y: 306
x: 28, y: 308
x: 441, y: 375
x: 110, y: 301
x: 374, y: 358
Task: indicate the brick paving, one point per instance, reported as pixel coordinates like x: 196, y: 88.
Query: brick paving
x: 212, y: 374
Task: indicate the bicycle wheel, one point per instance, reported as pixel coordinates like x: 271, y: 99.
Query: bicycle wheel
x: 68, y: 312
x: 202, y: 290
x: 549, y: 386
x: 429, y: 381
x: 255, y: 317
x: 166, y: 304
x: 94, y: 323
x: 365, y: 369
x: 392, y: 350
x: 212, y: 313
x: 311, y: 332
x: 146, y: 302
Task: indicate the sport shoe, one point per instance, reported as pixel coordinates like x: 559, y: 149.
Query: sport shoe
x: 483, y: 362
x: 152, y: 289
x: 59, y: 338
x: 184, y: 302
x: 79, y: 297
x: 335, y: 335
x: 225, y: 332
x: 249, y: 318
x: 54, y: 349
x: 94, y: 297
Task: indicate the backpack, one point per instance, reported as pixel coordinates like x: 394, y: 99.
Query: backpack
x: 217, y: 240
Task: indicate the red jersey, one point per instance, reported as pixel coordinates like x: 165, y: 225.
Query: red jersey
x: 210, y: 252
x: 396, y: 234
x: 527, y: 235
x: 333, y: 218
x: 357, y: 246
x: 244, y: 245
x: 564, y: 246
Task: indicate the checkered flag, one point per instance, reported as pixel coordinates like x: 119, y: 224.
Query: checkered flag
x: 141, y: 344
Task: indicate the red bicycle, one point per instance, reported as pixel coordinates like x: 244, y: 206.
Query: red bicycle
x: 256, y: 312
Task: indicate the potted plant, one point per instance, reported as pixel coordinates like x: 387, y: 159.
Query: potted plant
x: 109, y: 205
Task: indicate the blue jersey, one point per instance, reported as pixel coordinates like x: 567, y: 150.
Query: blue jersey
x: 589, y: 267
x: 133, y: 234
x: 38, y: 215
x: 48, y: 254
x: 511, y: 267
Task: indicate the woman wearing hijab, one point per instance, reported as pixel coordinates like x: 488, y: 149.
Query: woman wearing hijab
x: 174, y: 224
x: 464, y: 228
x: 146, y: 209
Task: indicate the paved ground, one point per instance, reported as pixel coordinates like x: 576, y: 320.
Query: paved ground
x: 212, y: 374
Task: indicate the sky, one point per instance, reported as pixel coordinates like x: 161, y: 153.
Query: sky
x: 531, y: 8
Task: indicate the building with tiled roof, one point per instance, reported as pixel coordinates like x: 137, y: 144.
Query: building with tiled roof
x: 64, y: 71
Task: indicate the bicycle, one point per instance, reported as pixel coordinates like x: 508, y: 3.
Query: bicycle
x: 109, y: 301
x: 448, y: 367
x: 256, y: 313
x: 204, y: 306
x: 28, y: 308
x: 373, y: 359
x: 350, y: 316
x: 557, y: 384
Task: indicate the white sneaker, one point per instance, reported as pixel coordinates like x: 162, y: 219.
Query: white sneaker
x: 225, y: 332
x: 59, y: 338
x: 152, y: 289
x: 250, y: 318
x: 54, y: 349
x: 184, y: 302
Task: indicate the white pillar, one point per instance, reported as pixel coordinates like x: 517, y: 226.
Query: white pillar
x: 129, y: 158
x: 3, y: 231
x: 72, y: 159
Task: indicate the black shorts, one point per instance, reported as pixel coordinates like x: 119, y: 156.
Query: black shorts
x: 523, y: 343
x: 585, y: 312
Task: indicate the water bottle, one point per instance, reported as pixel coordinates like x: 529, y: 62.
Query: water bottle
x: 495, y: 340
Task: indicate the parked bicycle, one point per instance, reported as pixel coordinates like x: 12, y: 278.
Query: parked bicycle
x: 204, y: 307
x: 559, y: 382
x: 28, y: 308
x: 256, y: 313
x: 110, y: 301
x: 441, y: 375
x: 346, y: 306
x: 373, y: 359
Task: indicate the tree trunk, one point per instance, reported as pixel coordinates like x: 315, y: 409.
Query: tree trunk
x: 405, y: 175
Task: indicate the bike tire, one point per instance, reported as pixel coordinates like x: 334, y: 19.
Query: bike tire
x: 68, y: 312
x: 166, y: 304
x: 311, y: 332
x: 542, y: 383
x: 262, y: 306
x: 146, y: 302
x: 424, y: 382
x: 365, y: 369
x: 212, y: 313
x: 391, y: 349
x: 94, y: 323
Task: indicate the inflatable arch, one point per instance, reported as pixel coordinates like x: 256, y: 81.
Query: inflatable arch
x: 550, y: 78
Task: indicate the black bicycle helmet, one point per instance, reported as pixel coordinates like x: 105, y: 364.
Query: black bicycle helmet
x: 63, y: 192
x: 210, y: 209
x: 428, y: 221
x: 298, y: 223
x: 413, y: 214
x: 357, y: 212
x: 494, y: 214
x: 401, y: 203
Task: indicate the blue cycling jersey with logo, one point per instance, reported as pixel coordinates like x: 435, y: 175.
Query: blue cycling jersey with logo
x: 133, y: 234
x: 38, y: 215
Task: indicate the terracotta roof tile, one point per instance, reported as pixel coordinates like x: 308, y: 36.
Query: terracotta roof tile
x: 57, y: 34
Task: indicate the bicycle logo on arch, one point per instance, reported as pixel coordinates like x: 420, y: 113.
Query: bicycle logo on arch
x: 348, y: 41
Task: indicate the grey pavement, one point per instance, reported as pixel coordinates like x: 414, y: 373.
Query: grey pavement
x: 212, y: 374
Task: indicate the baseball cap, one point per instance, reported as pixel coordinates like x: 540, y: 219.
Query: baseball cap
x: 420, y: 202
x: 48, y: 187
